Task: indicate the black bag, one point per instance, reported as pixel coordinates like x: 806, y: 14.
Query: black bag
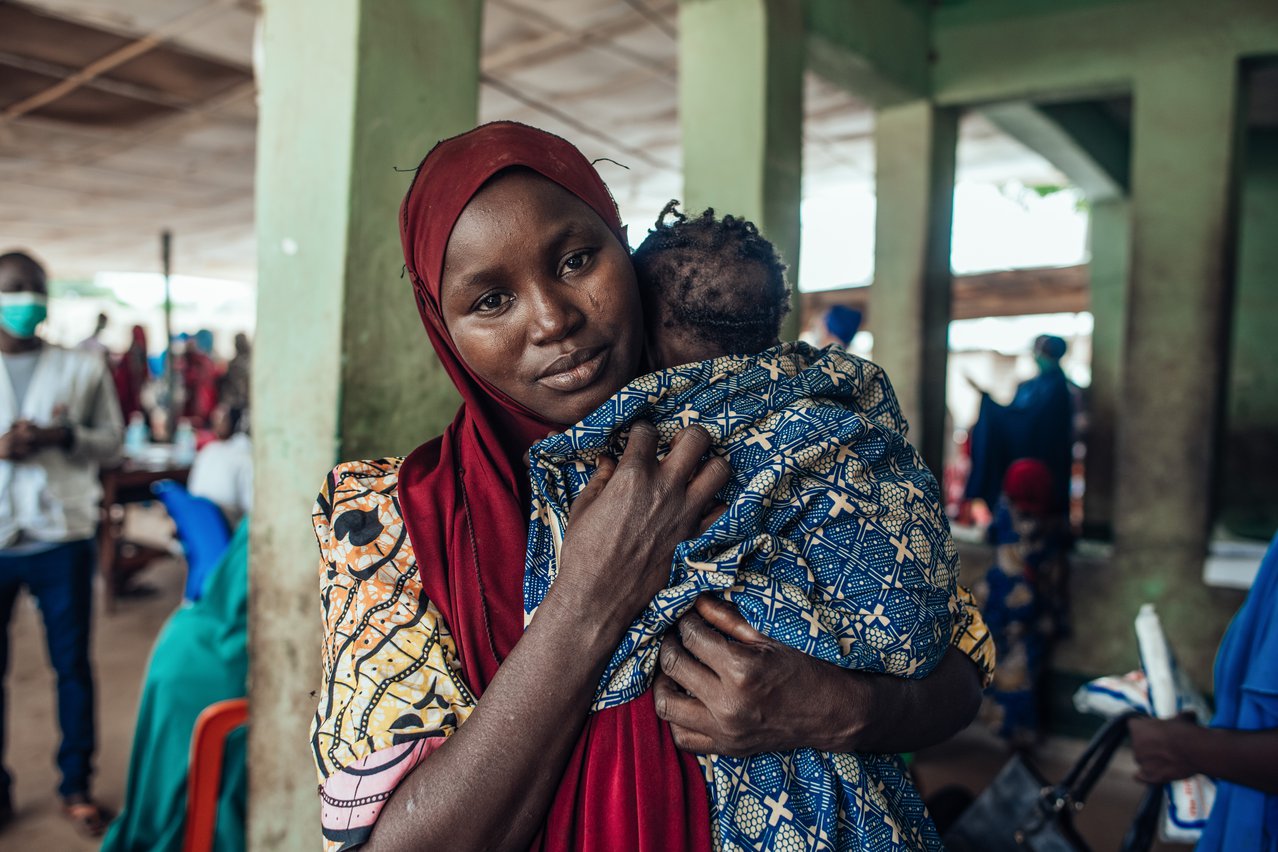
x: 1020, y: 811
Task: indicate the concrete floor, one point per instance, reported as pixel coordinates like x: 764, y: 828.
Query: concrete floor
x: 121, y: 645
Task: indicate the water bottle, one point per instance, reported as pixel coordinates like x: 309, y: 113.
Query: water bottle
x: 136, y: 436
x: 184, y: 443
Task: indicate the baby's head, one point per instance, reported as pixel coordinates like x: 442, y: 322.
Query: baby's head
x: 710, y: 287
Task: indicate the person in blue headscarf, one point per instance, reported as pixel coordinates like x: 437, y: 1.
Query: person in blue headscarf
x: 1037, y: 424
x: 842, y: 324
x: 1240, y: 747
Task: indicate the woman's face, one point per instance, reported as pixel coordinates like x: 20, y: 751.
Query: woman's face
x: 540, y: 297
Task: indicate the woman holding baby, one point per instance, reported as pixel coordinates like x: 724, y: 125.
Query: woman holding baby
x: 444, y: 722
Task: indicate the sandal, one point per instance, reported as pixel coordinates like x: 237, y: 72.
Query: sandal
x: 89, y: 818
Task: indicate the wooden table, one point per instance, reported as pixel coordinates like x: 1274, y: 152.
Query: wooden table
x: 119, y: 559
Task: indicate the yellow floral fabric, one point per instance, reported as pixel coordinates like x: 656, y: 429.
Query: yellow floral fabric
x: 390, y: 670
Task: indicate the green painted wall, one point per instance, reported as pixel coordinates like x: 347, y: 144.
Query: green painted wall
x: 995, y: 50
x: 1248, y: 495
x: 1110, y: 228
x: 741, y: 112
x: 343, y: 366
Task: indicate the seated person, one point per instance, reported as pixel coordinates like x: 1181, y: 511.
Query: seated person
x: 1240, y: 747
x: 200, y: 658
x: 833, y: 540
x: 223, y: 468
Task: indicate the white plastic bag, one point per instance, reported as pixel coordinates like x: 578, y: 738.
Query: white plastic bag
x: 1188, y: 802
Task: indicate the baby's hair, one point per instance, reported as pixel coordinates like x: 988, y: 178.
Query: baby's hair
x: 717, y: 278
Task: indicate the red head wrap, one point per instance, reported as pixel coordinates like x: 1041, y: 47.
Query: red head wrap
x: 450, y: 176
x: 1028, y: 486
x: 465, y: 505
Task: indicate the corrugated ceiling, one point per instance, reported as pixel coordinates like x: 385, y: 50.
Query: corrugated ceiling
x: 139, y: 115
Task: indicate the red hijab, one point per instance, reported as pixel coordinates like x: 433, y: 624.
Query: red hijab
x: 1028, y: 486
x: 464, y: 498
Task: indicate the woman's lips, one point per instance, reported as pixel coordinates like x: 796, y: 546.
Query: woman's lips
x: 576, y: 371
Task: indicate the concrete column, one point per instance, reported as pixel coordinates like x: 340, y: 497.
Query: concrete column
x: 343, y: 368
x: 741, y: 110
x: 1184, y: 135
x: 1248, y: 494
x: 910, y: 300
x: 1109, y: 237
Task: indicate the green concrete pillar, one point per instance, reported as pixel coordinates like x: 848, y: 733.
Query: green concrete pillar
x: 343, y: 368
x: 1248, y: 496
x: 1110, y: 225
x: 910, y: 301
x: 1184, y: 136
x: 741, y: 110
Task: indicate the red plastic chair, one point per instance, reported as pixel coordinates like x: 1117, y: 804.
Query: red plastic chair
x: 204, y: 778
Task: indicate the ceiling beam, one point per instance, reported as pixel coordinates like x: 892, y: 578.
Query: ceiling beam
x: 1006, y: 293
x: 101, y: 84
x: 1007, y: 50
x: 878, y: 51
x: 1082, y: 140
x: 115, y: 59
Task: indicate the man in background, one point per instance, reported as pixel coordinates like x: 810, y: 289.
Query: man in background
x: 59, y: 419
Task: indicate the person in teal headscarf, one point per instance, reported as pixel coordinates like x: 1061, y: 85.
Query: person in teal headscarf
x: 200, y: 658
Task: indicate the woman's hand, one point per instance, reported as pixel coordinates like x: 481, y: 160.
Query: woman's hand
x: 725, y: 688
x: 491, y: 783
x: 628, y: 520
x: 1162, y: 747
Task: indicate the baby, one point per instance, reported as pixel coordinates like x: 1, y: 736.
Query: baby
x: 833, y: 540
x: 710, y: 287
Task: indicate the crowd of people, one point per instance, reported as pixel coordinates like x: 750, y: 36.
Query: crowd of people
x: 202, y: 379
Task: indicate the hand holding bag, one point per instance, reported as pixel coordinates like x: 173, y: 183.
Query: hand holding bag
x: 1021, y: 811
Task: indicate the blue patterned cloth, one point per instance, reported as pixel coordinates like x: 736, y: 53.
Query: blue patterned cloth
x: 833, y: 543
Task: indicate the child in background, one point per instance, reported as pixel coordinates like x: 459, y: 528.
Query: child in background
x: 1023, y: 600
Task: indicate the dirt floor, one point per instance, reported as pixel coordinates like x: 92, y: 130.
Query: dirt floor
x: 121, y: 645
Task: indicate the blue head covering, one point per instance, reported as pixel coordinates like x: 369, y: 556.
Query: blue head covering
x: 1050, y: 346
x: 843, y: 322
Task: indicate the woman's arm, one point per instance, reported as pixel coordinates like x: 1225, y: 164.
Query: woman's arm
x: 491, y: 783
x: 1171, y: 749
x: 725, y: 688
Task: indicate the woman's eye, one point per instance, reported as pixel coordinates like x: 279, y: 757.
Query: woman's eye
x: 491, y: 302
x: 576, y: 261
